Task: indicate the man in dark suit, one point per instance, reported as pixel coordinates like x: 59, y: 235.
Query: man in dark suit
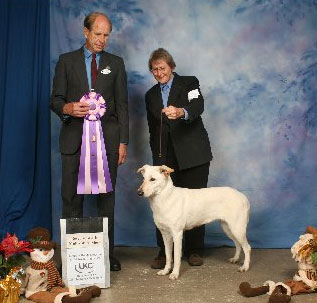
x: 178, y: 139
x: 77, y: 72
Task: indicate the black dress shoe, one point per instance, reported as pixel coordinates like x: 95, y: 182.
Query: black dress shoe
x: 195, y: 260
x: 114, y: 264
x: 158, y: 262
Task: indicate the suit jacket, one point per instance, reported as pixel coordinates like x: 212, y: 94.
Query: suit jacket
x: 70, y: 84
x: 189, y: 137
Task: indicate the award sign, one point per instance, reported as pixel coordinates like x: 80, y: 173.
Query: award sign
x: 85, y: 252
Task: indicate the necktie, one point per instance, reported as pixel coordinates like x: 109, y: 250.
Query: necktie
x: 94, y: 71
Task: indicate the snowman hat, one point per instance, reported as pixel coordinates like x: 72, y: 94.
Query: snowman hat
x: 40, y: 237
x: 311, y: 230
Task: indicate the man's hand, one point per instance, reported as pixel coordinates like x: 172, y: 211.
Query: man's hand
x: 122, y: 153
x: 173, y: 112
x: 76, y: 109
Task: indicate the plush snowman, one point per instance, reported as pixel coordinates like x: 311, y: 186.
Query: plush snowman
x: 43, y: 283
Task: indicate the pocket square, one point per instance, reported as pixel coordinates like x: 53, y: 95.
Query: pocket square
x: 193, y: 94
x: 106, y: 71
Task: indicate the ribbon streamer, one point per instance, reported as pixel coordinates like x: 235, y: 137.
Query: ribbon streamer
x: 94, y: 176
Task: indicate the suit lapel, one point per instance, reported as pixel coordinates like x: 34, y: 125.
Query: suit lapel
x: 156, y: 100
x: 103, y: 63
x: 172, y: 97
x: 80, y: 69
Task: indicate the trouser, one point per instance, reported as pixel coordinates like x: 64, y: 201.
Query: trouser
x: 195, y: 177
x: 73, y: 203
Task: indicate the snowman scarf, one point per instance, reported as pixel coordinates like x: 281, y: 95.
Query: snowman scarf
x: 54, y: 279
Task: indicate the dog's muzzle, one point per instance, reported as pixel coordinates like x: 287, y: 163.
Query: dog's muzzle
x: 140, y: 192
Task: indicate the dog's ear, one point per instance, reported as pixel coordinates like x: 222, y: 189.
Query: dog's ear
x: 166, y: 170
x: 142, y: 169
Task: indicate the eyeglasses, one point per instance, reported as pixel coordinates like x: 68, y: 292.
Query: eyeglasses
x: 158, y: 69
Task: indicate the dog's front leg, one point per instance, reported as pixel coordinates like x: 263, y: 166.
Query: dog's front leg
x: 168, y: 243
x: 178, y: 238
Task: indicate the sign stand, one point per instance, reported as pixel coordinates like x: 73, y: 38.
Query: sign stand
x: 85, y: 251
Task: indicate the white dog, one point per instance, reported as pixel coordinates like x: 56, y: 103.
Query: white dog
x: 177, y: 209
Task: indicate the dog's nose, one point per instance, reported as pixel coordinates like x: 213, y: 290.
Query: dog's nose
x: 140, y: 192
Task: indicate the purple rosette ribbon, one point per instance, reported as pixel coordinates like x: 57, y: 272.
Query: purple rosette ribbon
x: 94, y: 176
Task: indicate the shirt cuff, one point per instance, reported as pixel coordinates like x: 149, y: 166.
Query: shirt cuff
x: 185, y: 114
x: 65, y: 118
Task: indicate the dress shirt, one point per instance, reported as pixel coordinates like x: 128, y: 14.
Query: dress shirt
x: 165, y: 90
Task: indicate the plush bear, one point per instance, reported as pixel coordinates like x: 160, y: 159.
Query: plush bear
x: 304, y: 252
x: 42, y: 282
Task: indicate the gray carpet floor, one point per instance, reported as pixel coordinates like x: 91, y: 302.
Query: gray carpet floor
x: 217, y: 281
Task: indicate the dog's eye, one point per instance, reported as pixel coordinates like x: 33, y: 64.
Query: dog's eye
x: 152, y: 179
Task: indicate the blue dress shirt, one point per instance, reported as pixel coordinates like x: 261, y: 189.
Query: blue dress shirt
x: 165, y: 90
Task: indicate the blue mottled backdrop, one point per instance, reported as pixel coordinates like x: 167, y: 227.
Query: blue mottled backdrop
x: 257, y: 66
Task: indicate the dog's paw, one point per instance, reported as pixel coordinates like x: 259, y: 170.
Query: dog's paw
x: 173, y: 276
x: 163, y: 272
x: 233, y: 260
x: 243, y: 268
